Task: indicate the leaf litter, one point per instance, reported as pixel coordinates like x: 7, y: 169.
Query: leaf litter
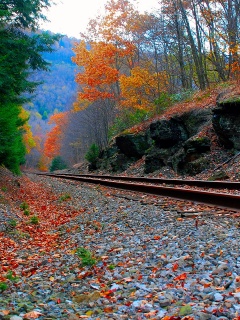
x: 136, y: 261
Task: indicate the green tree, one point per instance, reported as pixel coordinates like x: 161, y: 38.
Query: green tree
x: 21, y: 49
x: 12, y: 149
x: 57, y: 164
x: 92, y: 154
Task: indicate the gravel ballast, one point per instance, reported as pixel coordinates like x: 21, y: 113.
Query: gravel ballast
x: 144, y: 260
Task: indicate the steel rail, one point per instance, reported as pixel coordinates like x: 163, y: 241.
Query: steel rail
x: 223, y: 200
x: 198, y: 183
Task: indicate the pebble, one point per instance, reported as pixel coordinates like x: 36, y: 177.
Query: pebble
x: 148, y: 262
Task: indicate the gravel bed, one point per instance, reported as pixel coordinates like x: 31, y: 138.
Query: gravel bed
x: 148, y: 262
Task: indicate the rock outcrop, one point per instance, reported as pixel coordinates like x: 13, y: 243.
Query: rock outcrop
x: 180, y: 142
x: 226, y: 121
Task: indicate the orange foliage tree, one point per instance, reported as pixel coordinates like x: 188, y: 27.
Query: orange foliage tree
x: 52, y: 144
x: 100, y: 75
x: 113, y: 66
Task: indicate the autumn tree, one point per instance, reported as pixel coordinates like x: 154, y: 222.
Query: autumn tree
x: 53, y: 141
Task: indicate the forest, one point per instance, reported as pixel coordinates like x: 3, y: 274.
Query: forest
x: 130, y: 67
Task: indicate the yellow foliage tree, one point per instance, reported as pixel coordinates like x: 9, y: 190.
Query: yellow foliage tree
x: 140, y: 89
x: 28, y: 138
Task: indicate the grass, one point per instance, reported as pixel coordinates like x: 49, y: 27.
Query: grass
x: 86, y: 257
x: 3, y: 286
x: 65, y: 197
x: 34, y: 220
x: 11, y: 277
x: 12, y: 223
x: 24, y: 206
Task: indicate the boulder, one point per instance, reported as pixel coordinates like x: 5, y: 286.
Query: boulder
x: 133, y: 145
x: 190, y: 158
x: 157, y: 158
x: 194, y: 120
x: 226, y: 121
x: 190, y: 164
x: 197, y: 145
x: 167, y: 133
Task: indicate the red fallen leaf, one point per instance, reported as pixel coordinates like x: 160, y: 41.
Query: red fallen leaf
x: 58, y: 300
x: 182, y: 276
x: 175, y: 267
x: 108, y: 309
x: 156, y: 237
x: 5, y: 268
x: 108, y: 293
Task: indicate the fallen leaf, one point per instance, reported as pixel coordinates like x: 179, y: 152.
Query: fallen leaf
x: 32, y: 315
x: 182, y: 276
x: 175, y: 267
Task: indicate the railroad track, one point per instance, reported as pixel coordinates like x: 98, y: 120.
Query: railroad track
x: 154, y: 186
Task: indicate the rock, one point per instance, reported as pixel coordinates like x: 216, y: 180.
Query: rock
x: 153, y: 160
x: 167, y: 133
x: 73, y: 317
x: 184, y: 163
x: 164, y: 302
x: 226, y: 120
x: 16, y: 318
x: 133, y: 145
x: 203, y: 316
x: 218, y: 297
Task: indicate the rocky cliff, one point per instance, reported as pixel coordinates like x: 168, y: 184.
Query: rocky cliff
x: 183, y: 141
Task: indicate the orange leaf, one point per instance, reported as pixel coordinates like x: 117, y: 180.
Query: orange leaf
x: 32, y: 315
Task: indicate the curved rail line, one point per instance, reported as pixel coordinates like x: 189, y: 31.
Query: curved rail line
x: 197, y: 183
x: 218, y: 199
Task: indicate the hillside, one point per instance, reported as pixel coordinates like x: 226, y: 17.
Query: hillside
x: 58, y: 89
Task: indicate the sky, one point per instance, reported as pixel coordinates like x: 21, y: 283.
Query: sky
x: 70, y: 17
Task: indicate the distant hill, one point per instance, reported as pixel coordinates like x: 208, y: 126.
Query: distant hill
x: 58, y: 90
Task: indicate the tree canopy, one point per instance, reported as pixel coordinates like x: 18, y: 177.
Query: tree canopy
x: 21, y: 48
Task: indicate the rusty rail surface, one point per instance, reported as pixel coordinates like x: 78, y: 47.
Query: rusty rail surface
x: 218, y: 199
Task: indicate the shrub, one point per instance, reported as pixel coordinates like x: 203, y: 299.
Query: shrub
x: 57, y: 164
x: 127, y: 119
x: 92, y: 154
x: 34, y: 220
